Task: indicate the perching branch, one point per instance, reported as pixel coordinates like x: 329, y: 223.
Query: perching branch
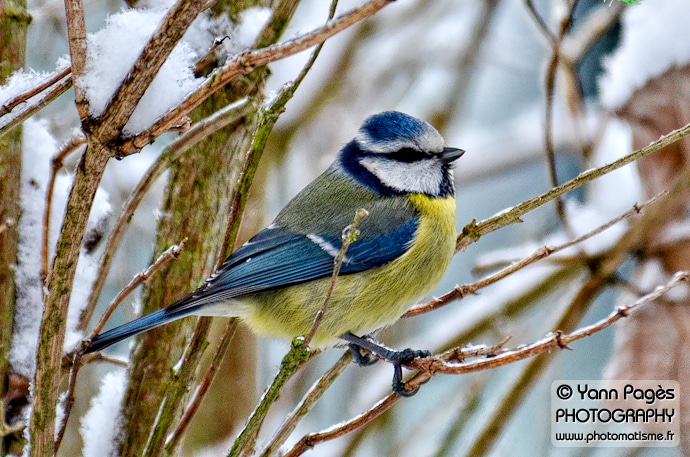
x: 452, y: 362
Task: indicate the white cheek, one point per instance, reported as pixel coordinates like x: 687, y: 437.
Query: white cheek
x: 423, y: 176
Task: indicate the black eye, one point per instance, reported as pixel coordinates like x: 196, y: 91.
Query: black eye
x: 407, y: 155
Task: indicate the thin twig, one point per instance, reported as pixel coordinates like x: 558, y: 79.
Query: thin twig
x: 309, y: 441
x: 549, y: 89
x: 69, y: 399
x: 15, y: 119
x: 540, y: 22
x: 298, y: 355
x: 443, y: 363
x: 23, y: 97
x: 475, y: 230
x: 349, y: 236
x: 542, y: 252
x: 170, y: 154
x: 76, y: 362
x: 204, y: 384
x: 246, y: 61
x: 57, y: 162
x: 171, y: 253
x: 306, y: 404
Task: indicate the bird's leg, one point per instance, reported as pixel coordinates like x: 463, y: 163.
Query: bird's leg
x: 365, y: 348
x: 363, y: 357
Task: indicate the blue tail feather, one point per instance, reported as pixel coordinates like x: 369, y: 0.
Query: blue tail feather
x: 137, y: 326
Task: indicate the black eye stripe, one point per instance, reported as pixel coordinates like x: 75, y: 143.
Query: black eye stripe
x: 407, y: 155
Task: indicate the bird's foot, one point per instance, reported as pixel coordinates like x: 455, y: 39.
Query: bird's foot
x: 366, y: 350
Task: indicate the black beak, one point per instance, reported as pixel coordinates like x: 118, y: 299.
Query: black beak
x: 451, y: 154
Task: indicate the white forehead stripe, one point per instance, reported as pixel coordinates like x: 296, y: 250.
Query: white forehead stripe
x: 427, y: 141
x: 422, y: 176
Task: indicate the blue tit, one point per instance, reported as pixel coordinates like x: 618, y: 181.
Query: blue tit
x: 397, y: 168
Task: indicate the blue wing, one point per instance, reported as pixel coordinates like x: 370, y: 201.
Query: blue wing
x: 277, y: 257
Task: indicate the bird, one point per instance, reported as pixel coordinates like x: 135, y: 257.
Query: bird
x: 397, y: 168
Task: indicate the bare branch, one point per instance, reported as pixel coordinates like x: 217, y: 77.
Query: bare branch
x: 246, y: 61
x: 58, y: 160
x: 76, y: 33
x: 59, y: 287
x: 452, y: 362
x: 350, y: 234
x: 543, y: 252
x: 555, y: 340
x: 171, y: 153
x: 306, y: 404
x: 475, y: 230
x: 175, y: 439
x: 56, y: 89
x: 52, y: 79
x: 171, y: 253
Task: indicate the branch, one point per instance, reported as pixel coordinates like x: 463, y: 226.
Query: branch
x: 549, y: 89
x: 246, y: 61
x: 76, y: 34
x: 309, y: 441
x: 298, y: 355
x: 543, y: 252
x: 145, y: 69
x: 171, y: 253
x: 451, y: 362
x: 475, y: 230
x: 306, y: 404
x: 58, y: 87
x: 57, y: 162
x: 169, y: 155
x: 24, y: 97
x: 349, y: 236
x: 59, y: 287
x: 556, y: 340
x: 175, y: 438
